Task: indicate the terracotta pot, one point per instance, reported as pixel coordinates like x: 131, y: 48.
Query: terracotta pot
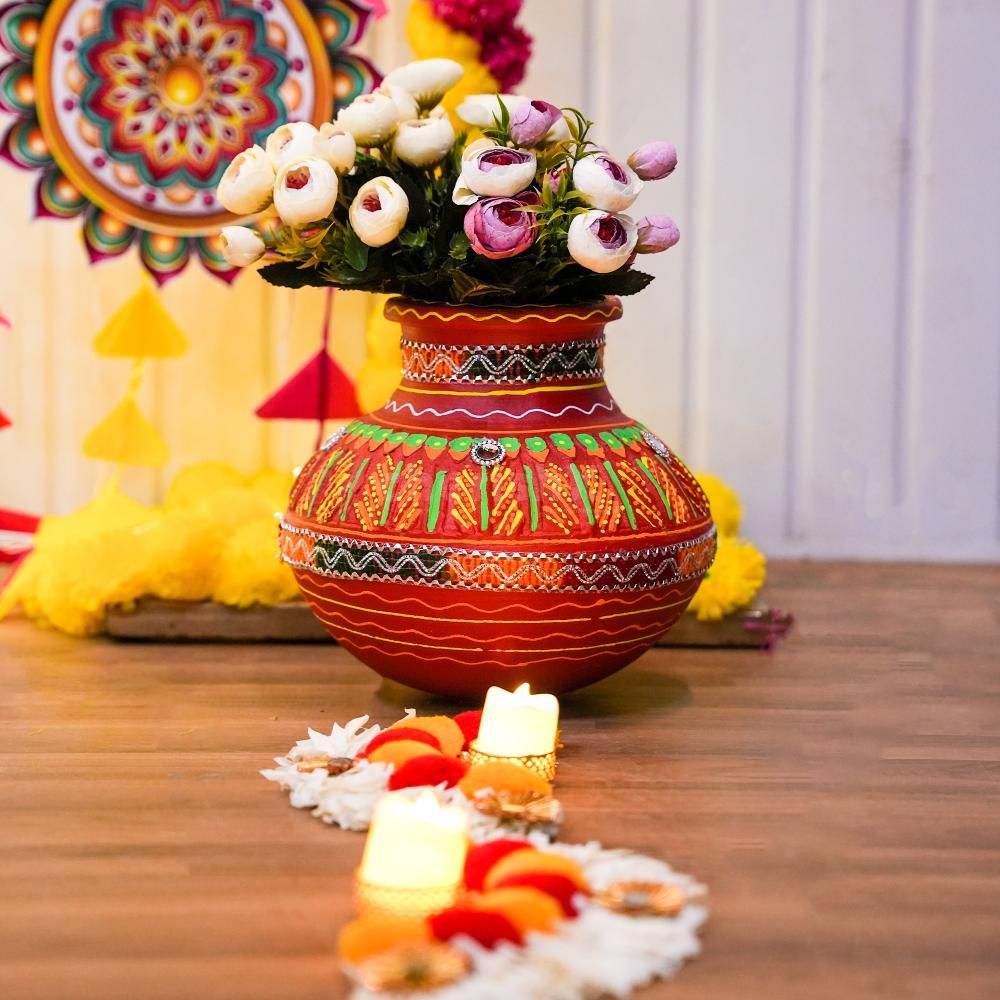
x: 500, y: 519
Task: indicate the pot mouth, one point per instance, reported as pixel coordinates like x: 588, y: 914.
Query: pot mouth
x: 597, y: 313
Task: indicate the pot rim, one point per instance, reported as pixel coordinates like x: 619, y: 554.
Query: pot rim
x: 599, y: 311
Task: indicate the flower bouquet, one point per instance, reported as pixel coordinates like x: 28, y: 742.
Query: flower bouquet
x: 563, y: 538
x: 388, y: 198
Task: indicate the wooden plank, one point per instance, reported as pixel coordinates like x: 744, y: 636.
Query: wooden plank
x: 839, y: 798
x: 204, y: 621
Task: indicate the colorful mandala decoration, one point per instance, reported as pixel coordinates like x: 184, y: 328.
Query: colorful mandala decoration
x: 130, y: 110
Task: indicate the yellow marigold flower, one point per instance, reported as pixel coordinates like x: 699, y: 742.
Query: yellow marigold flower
x: 727, y: 511
x: 732, y: 583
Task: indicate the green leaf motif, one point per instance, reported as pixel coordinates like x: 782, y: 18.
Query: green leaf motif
x: 355, y: 252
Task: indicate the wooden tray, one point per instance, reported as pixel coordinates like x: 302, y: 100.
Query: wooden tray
x: 154, y: 620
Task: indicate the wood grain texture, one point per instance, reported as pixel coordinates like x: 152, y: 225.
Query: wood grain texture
x: 838, y: 796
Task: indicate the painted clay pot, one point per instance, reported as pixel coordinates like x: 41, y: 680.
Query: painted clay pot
x: 500, y: 519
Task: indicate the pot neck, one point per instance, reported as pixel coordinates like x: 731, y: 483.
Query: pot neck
x: 487, y: 369
x: 458, y: 346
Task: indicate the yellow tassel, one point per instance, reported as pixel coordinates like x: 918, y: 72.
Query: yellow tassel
x: 141, y: 328
x: 126, y: 437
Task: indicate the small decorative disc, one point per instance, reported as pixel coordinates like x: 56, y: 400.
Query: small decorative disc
x: 656, y: 444
x: 487, y: 452
x: 336, y: 436
x: 412, y: 969
x: 642, y: 899
x: 322, y: 762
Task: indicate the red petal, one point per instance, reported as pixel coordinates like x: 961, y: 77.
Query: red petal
x: 482, y: 858
x: 434, y: 769
x: 400, y: 733
x: 486, y: 928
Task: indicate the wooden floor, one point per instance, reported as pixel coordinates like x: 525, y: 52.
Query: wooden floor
x: 839, y: 796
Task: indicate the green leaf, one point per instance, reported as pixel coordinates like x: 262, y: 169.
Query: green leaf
x: 286, y: 274
x: 458, y: 248
x: 624, y: 281
x: 415, y: 238
x: 355, y: 252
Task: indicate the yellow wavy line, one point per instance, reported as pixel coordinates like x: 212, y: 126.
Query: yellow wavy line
x: 393, y: 311
x: 335, y: 624
x: 634, y: 641
x: 432, y: 618
x: 506, y: 392
x: 419, y: 645
x: 472, y: 666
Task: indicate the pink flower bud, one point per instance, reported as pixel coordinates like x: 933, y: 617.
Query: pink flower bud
x: 531, y: 121
x: 656, y: 233
x: 654, y: 160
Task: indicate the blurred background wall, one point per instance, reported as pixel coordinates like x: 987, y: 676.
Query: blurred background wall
x: 826, y: 336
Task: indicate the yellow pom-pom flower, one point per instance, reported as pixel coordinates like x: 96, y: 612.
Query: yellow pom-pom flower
x: 732, y: 583
x: 727, y: 511
x: 249, y: 570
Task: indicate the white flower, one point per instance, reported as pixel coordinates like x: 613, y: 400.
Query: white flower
x: 305, y: 191
x: 248, y: 183
x: 343, y: 741
x: 493, y: 171
x: 605, y: 183
x: 423, y: 141
x: 481, y: 109
x: 242, y: 246
x: 290, y: 141
x: 601, y: 241
x: 428, y: 80
x: 370, y: 118
x: 336, y: 145
x: 379, y: 211
x: 349, y: 799
x: 406, y: 103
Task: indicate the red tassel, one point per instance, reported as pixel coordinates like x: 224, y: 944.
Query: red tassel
x: 301, y: 397
x: 16, y: 531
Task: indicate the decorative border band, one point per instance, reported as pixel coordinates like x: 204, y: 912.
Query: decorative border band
x: 344, y: 557
x: 503, y: 363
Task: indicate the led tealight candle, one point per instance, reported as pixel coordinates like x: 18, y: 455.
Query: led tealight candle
x: 518, y: 723
x: 414, y: 855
